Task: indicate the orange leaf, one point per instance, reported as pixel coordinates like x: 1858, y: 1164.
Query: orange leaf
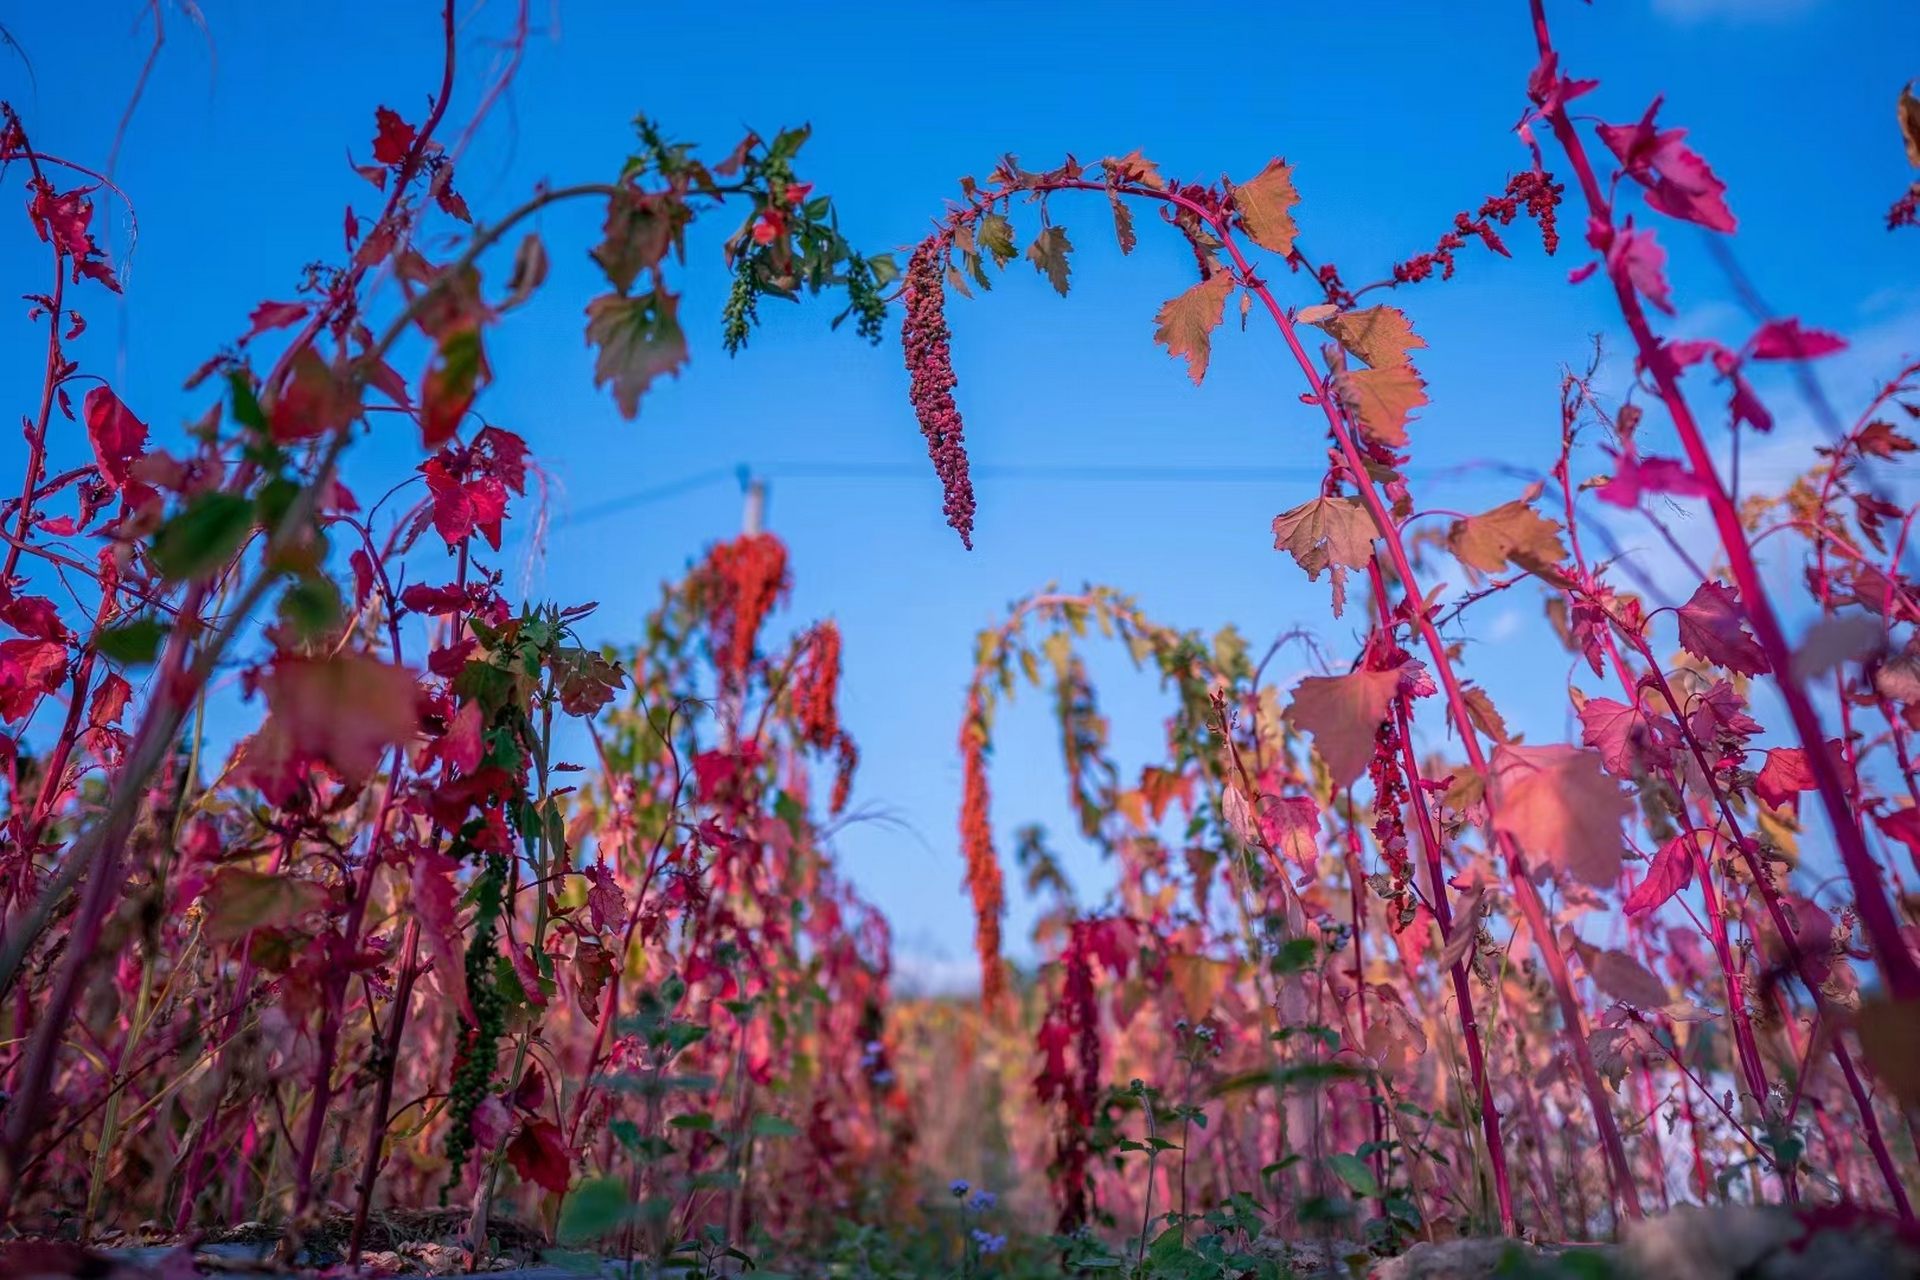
x: 1188, y: 321
x: 1381, y: 335
x: 1512, y: 532
x: 1380, y: 400
x: 1889, y: 1032
x: 1266, y: 206
x: 1198, y: 981
x: 1326, y: 531
x: 1343, y: 713
x: 239, y: 901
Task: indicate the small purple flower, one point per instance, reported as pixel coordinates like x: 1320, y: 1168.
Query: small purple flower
x: 981, y: 1202
x: 959, y: 1187
x: 989, y: 1243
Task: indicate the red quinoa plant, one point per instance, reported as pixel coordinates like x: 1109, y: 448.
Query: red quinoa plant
x: 387, y: 953
x: 1732, y: 998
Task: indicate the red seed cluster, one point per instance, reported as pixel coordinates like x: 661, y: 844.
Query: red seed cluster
x: 925, y: 339
x: 843, y: 773
x: 983, y: 864
x: 1906, y: 210
x: 745, y: 579
x: 1535, y: 188
x: 816, y: 687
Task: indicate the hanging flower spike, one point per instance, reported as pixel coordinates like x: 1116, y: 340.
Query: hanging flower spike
x: 924, y: 337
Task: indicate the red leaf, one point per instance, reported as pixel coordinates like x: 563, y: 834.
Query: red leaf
x: 274, y: 315
x: 461, y: 508
x: 1630, y: 741
x: 420, y: 598
x: 362, y: 565
x: 539, y: 1154
x: 1713, y: 627
x: 339, y: 500
x: 713, y: 770
x: 605, y: 903
x: 532, y: 1093
x: 29, y: 670
x: 1746, y: 406
x: 345, y: 710
x: 1635, y: 259
x: 109, y: 701
x: 1902, y: 825
x: 449, y: 200
x: 435, y: 900
x: 1669, y: 873
x: 1784, y: 777
x: 1634, y: 476
x: 118, y: 438
x: 394, y: 138
x: 1291, y: 824
x: 491, y: 1123
x: 463, y: 746
x: 1721, y: 710
x: 1682, y: 184
x: 1786, y: 340
x: 1557, y: 804
x: 1627, y: 980
x: 35, y: 616
x: 458, y: 372
x: 312, y: 401
x: 506, y: 456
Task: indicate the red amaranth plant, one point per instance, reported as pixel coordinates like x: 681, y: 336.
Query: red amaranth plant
x: 1552, y: 813
x: 232, y: 937
x: 924, y: 338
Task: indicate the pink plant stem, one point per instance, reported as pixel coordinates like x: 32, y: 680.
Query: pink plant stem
x: 1524, y: 892
x: 1701, y: 1182
x: 1744, y: 1042
x: 1357, y: 899
x: 1462, y: 989
x: 1870, y: 896
x: 383, y: 1093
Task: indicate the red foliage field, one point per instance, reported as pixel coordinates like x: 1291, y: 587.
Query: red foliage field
x: 1374, y: 968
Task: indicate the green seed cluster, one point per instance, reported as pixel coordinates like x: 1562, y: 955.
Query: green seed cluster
x: 473, y: 1068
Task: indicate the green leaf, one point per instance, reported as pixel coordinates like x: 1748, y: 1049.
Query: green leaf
x: 311, y: 606
x: 1353, y: 1171
x: 596, y: 1208
x: 132, y: 643
x: 246, y: 405
x: 639, y: 339
x: 202, y: 537
x: 774, y: 1127
x: 1048, y: 254
x: 238, y: 901
x: 996, y: 237
x: 275, y: 499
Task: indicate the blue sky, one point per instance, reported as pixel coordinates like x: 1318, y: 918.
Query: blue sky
x: 237, y: 163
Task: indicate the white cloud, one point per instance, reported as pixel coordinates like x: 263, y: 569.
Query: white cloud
x: 1737, y: 11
